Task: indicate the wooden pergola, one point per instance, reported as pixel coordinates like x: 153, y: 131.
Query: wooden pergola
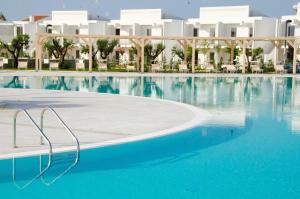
x: 140, y: 41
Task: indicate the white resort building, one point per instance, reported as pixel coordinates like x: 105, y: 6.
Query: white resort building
x: 149, y: 22
x: 226, y: 21
x: 233, y: 21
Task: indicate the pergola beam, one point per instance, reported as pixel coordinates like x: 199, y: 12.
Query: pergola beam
x: 170, y: 37
x: 141, y: 41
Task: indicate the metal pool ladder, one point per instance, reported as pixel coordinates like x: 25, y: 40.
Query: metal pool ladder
x: 51, y: 159
x: 15, y: 146
x: 74, y: 159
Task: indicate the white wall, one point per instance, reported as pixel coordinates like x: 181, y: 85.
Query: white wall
x: 141, y: 16
x: 265, y: 27
x: 70, y: 17
x: 230, y: 13
x: 205, y: 30
x: 6, y: 32
x: 188, y: 30
x: 174, y: 28
x: 31, y: 29
x: 243, y: 31
x: 99, y: 28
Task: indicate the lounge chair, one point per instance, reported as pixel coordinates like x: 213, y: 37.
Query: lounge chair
x: 279, y: 69
x: 54, y: 65
x: 209, y: 68
x: 80, y: 65
x: 102, y: 66
x: 130, y: 68
x: 256, y: 68
x: 46, y: 61
x: 183, y: 68
x: 229, y: 68
x: 156, y: 68
x: 22, y: 64
x: 1, y: 64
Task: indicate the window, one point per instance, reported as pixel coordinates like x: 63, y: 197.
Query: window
x: 291, y: 31
x: 19, y: 30
x: 251, y: 32
x: 49, y: 29
x: 195, y: 34
x: 77, y: 54
x: 118, y: 31
x: 117, y: 56
x: 148, y: 32
x: 212, y: 57
x: 233, y: 32
x: 77, y: 31
x: 212, y: 32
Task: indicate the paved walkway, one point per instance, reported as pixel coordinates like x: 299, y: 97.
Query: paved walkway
x: 97, y: 119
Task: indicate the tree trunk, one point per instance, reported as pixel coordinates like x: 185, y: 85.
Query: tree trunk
x: 94, y: 60
x: 61, y: 61
x: 16, y: 62
x: 248, y: 62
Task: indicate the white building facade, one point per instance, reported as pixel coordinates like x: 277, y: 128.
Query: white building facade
x: 148, y: 22
x: 233, y: 21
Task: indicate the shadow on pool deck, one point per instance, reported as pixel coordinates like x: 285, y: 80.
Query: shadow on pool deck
x: 20, y: 104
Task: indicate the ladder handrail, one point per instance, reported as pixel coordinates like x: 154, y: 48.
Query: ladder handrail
x: 50, y: 109
x: 15, y: 146
x: 43, y: 137
x: 60, y: 175
x: 64, y: 125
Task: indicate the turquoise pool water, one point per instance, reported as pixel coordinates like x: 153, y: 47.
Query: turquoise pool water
x: 250, y: 149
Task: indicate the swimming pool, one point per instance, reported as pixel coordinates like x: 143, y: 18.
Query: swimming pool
x: 252, y: 150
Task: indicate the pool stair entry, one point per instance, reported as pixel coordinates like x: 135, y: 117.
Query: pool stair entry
x: 52, y: 159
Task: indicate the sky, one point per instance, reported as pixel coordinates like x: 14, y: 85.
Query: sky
x: 19, y: 9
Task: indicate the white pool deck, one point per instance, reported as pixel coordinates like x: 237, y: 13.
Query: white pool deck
x: 96, y: 119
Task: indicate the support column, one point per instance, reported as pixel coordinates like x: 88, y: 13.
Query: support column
x: 90, y: 55
x: 193, y: 55
x: 40, y: 56
x: 276, y: 52
x: 185, y: 48
x: 244, y: 57
x: 138, y: 57
x: 295, y: 57
x: 232, y: 47
x: 143, y: 55
x: 37, y: 53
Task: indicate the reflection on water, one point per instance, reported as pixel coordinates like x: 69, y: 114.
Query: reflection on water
x: 230, y: 99
x: 251, y: 140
